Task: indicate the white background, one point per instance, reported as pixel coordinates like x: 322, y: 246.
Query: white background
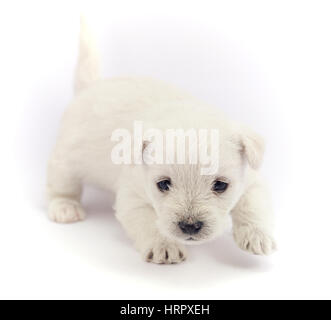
x: 266, y: 63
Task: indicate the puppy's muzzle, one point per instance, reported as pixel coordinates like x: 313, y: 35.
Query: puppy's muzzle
x: 190, y: 228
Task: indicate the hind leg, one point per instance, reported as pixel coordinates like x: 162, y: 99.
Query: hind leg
x: 64, y: 193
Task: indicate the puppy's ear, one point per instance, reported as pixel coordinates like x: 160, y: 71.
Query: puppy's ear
x: 252, y: 147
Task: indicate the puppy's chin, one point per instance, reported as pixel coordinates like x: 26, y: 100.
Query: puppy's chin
x: 196, y: 240
x: 191, y: 240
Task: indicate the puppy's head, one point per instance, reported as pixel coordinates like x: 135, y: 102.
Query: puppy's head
x: 193, y: 208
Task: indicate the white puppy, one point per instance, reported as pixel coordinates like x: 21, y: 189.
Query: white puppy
x: 161, y: 206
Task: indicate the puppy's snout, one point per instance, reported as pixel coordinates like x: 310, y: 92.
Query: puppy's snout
x: 190, y: 228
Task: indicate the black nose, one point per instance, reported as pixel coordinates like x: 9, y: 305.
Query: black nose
x: 190, y: 228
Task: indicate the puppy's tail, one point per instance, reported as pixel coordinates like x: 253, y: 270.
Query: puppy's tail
x: 87, y: 69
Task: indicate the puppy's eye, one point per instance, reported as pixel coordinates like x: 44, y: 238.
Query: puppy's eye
x: 220, y: 186
x: 164, y: 185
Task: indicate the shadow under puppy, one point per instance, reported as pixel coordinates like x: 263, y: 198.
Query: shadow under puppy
x: 162, y: 207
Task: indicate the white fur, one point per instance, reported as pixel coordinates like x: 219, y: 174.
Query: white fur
x: 150, y: 217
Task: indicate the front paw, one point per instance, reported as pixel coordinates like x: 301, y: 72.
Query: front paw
x: 164, y: 252
x: 254, y: 240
